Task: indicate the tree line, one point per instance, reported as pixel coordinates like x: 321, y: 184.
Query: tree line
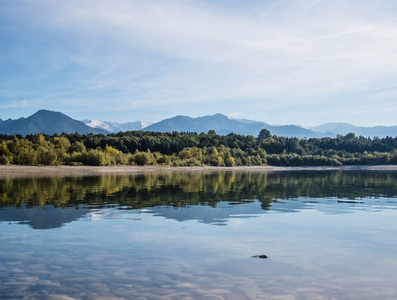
x: 193, y: 149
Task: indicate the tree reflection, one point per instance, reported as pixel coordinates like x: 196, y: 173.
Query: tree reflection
x: 182, y: 189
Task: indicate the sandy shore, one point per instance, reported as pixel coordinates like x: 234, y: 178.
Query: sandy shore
x: 6, y: 171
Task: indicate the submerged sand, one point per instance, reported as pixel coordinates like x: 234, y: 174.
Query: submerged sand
x: 92, y: 170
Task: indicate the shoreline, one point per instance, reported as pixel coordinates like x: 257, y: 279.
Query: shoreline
x: 23, y: 171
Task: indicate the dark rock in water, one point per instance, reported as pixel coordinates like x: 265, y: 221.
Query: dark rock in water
x: 262, y: 256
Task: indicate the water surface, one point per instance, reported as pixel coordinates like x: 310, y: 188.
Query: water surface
x: 328, y: 235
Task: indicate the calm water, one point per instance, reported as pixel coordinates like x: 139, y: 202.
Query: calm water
x: 328, y: 235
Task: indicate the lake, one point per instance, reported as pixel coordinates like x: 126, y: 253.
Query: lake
x: 326, y: 234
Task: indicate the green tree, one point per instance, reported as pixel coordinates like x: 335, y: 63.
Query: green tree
x: 264, y: 134
x: 230, y: 162
x: 77, y: 147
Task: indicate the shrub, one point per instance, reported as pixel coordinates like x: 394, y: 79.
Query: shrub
x: 4, y: 160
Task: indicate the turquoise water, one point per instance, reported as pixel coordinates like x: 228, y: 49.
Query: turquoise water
x: 328, y: 235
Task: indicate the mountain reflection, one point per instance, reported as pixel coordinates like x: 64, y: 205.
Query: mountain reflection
x: 207, y: 197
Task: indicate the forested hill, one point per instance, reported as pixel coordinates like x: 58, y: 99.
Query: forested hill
x: 192, y: 149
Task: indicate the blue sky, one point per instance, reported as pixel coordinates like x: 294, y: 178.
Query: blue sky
x: 283, y: 62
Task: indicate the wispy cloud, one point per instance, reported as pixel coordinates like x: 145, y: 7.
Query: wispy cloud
x: 18, y: 104
x: 177, y: 54
x: 344, y: 57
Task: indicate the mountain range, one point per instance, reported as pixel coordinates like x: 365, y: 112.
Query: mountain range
x: 225, y: 125
x: 345, y: 128
x: 50, y: 122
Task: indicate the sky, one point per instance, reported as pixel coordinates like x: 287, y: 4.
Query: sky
x: 301, y: 62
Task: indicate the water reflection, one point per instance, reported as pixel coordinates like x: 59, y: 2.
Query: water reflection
x: 190, y: 195
x: 329, y: 235
x: 179, y: 190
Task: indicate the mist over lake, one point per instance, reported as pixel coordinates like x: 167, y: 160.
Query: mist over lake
x: 199, y: 235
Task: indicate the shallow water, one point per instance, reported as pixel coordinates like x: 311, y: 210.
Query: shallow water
x: 328, y: 235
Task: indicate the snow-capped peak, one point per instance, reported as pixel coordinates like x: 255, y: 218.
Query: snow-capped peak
x: 98, y: 124
x: 116, y: 127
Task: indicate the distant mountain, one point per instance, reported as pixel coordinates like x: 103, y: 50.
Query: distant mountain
x: 48, y: 122
x: 218, y: 122
x: 225, y: 125
x: 116, y: 127
x: 332, y: 129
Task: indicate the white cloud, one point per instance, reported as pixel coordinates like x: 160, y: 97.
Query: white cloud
x: 280, y: 53
x: 18, y: 104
